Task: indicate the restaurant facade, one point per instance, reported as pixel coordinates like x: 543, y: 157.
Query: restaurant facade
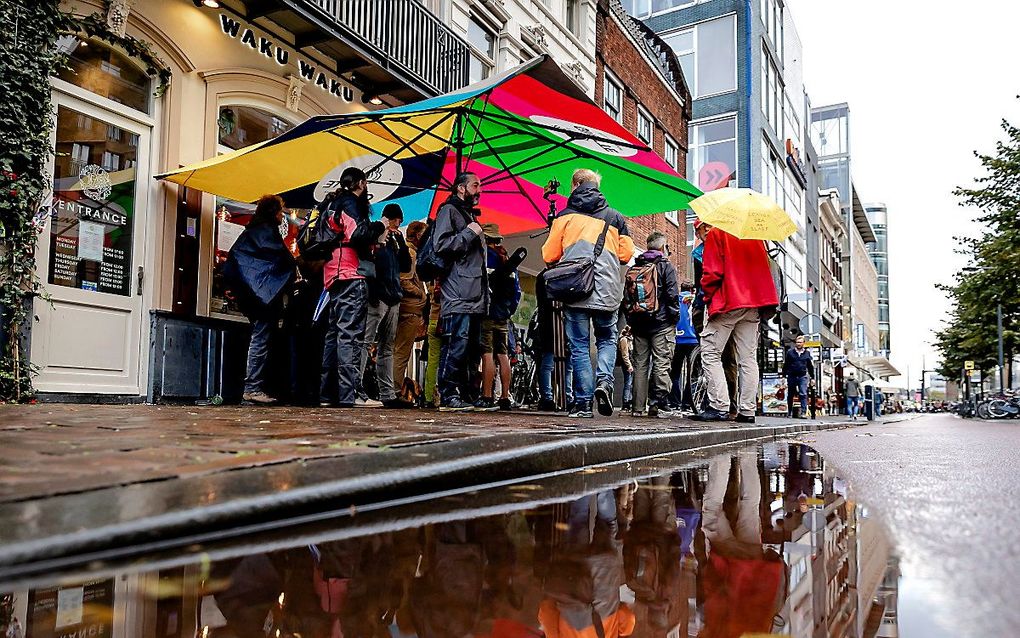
x: 134, y: 308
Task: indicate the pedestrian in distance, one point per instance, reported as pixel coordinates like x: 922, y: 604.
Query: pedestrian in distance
x: 799, y: 370
x: 852, y: 392
x: 413, y: 302
x: 392, y: 259
x: 258, y: 272
x: 686, y: 340
x: 347, y: 213
x: 625, y: 360
x: 651, y: 302
x: 588, y: 228
x: 464, y: 291
x: 504, y: 297
x: 739, y: 294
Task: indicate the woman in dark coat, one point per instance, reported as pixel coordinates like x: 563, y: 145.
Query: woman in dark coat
x: 258, y: 271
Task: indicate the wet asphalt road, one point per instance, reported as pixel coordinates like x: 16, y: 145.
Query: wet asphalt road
x: 949, y: 491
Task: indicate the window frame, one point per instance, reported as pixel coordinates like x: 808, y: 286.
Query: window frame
x: 693, y: 83
x: 694, y: 148
x: 609, y: 78
x: 644, y: 115
x: 485, y: 59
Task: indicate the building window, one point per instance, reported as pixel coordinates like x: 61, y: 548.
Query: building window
x: 572, y: 16
x: 772, y: 18
x: 771, y: 93
x: 708, y: 55
x: 644, y: 126
x: 672, y: 153
x: 483, y: 50
x: 645, y: 8
x: 612, y: 94
x: 100, y: 69
x: 712, y: 154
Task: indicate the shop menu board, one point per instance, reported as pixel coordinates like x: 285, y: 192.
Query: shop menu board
x: 77, y: 610
x: 773, y: 394
x: 91, y: 231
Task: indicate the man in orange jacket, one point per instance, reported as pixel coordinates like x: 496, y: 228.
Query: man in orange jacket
x: 739, y: 291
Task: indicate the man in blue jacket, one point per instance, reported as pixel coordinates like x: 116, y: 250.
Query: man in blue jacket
x: 798, y: 368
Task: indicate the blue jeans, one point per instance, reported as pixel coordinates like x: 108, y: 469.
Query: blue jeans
x: 258, y: 351
x: 545, y: 378
x: 853, y: 405
x: 800, y: 385
x: 579, y: 322
x: 460, y: 336
x: 628, y: 386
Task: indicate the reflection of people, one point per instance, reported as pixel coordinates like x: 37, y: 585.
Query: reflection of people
x: 259, y: 269
x: 743, y: 583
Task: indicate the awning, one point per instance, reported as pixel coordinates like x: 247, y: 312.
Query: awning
x: 877, y: 366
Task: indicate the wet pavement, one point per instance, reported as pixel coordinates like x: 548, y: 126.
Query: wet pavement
x: 946, y: 488
x: 737, y: 540
x: 97, y: 479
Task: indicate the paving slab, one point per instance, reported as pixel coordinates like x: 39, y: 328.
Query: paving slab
x: 76, y: 478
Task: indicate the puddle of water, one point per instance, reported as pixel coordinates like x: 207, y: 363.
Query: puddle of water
x: 755, y: 541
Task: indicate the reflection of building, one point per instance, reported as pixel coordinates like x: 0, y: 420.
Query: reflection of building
x: 131, y: 262
x: 878, y: 215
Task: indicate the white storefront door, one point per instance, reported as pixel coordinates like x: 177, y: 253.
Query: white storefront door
x: 87, y: 338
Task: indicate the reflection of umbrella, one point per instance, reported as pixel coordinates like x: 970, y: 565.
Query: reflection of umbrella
x: 517, y: 130
x: 744, y: 213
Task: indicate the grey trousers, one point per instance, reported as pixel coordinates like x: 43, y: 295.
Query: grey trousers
x: 342, y: 348
x: 381, y: 330
x: 658, y: 350
x: 742, y: 325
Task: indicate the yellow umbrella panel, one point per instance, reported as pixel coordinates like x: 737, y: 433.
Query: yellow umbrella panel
x: 744, y: 213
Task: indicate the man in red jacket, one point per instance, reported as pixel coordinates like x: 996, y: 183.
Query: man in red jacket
x: 739, y: 291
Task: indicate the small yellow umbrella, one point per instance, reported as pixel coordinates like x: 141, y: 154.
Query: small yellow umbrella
x: 744, y: 213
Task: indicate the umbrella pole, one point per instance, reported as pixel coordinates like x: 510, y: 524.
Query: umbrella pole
x: 458, y: 140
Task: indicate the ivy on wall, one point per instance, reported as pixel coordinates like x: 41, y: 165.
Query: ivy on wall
x: 28, y: 58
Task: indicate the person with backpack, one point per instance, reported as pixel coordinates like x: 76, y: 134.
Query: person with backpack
x: 504, y: 296
x: 346, y: 213
x: 588, y: 238
x: 686, y: 341
x: 411, y: 322
x: 651, y: 302
x: 391, y: 259
x: 258, y: 271
x: 457, y: 239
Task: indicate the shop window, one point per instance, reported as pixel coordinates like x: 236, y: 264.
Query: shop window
x: 240, y: 126
x: 104, y: 71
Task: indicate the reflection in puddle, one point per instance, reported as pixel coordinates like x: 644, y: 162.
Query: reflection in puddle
x: 757, y: 541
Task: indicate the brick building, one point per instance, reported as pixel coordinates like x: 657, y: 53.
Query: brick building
x: 639, y: 81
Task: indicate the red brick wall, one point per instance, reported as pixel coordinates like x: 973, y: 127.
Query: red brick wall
x: 644, y: 84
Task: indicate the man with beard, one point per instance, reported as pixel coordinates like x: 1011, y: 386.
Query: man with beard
x: 463, y: 291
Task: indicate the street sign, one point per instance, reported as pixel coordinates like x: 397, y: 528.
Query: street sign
x: 810, y: 324
x: 812, y: 344
x: 968, y: 365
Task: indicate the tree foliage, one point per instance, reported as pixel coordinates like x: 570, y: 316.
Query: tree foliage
x: 992, y: 275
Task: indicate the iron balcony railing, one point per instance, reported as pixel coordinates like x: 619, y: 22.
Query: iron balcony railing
x: 405, y: 38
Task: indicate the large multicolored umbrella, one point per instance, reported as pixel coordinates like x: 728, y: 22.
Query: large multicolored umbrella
x: 517, y: 130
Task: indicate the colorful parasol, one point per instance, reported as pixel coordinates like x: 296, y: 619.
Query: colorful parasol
x: 517, y: 130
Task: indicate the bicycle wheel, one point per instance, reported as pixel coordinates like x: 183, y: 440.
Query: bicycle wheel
x: 997, y: 409
x: 697, y: 381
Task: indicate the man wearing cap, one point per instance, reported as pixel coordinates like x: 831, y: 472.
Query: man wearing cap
x: 385, y: 293
x: 504, y: 296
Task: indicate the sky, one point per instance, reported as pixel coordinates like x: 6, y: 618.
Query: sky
x: 926, y: 88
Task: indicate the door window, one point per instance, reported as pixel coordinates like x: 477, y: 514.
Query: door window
x: 93, y: 205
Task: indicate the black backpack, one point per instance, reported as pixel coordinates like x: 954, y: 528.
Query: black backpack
x: 429, y: 264
x: 317, y: 239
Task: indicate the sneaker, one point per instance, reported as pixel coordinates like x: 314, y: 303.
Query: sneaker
x: 506, y: 405
x: 257, y: 398
x: 627, y: 405
x: 581, y: 410
x: 367, y: 403
x: 485, y: 404
x: 711, y: 414
x: 456, y: 404
x: 397, y: 404
x: 546, y: 405
x: 327, y: 404
x: 745, y: 418
x: 637, y: 413
x: 604, y: 400
x: 665, y: 413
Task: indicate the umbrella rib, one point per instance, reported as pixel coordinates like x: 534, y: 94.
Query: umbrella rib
x: 406, y: 145
x: 513, y: 178
x: 372, y: 150
x: 572, y: 134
